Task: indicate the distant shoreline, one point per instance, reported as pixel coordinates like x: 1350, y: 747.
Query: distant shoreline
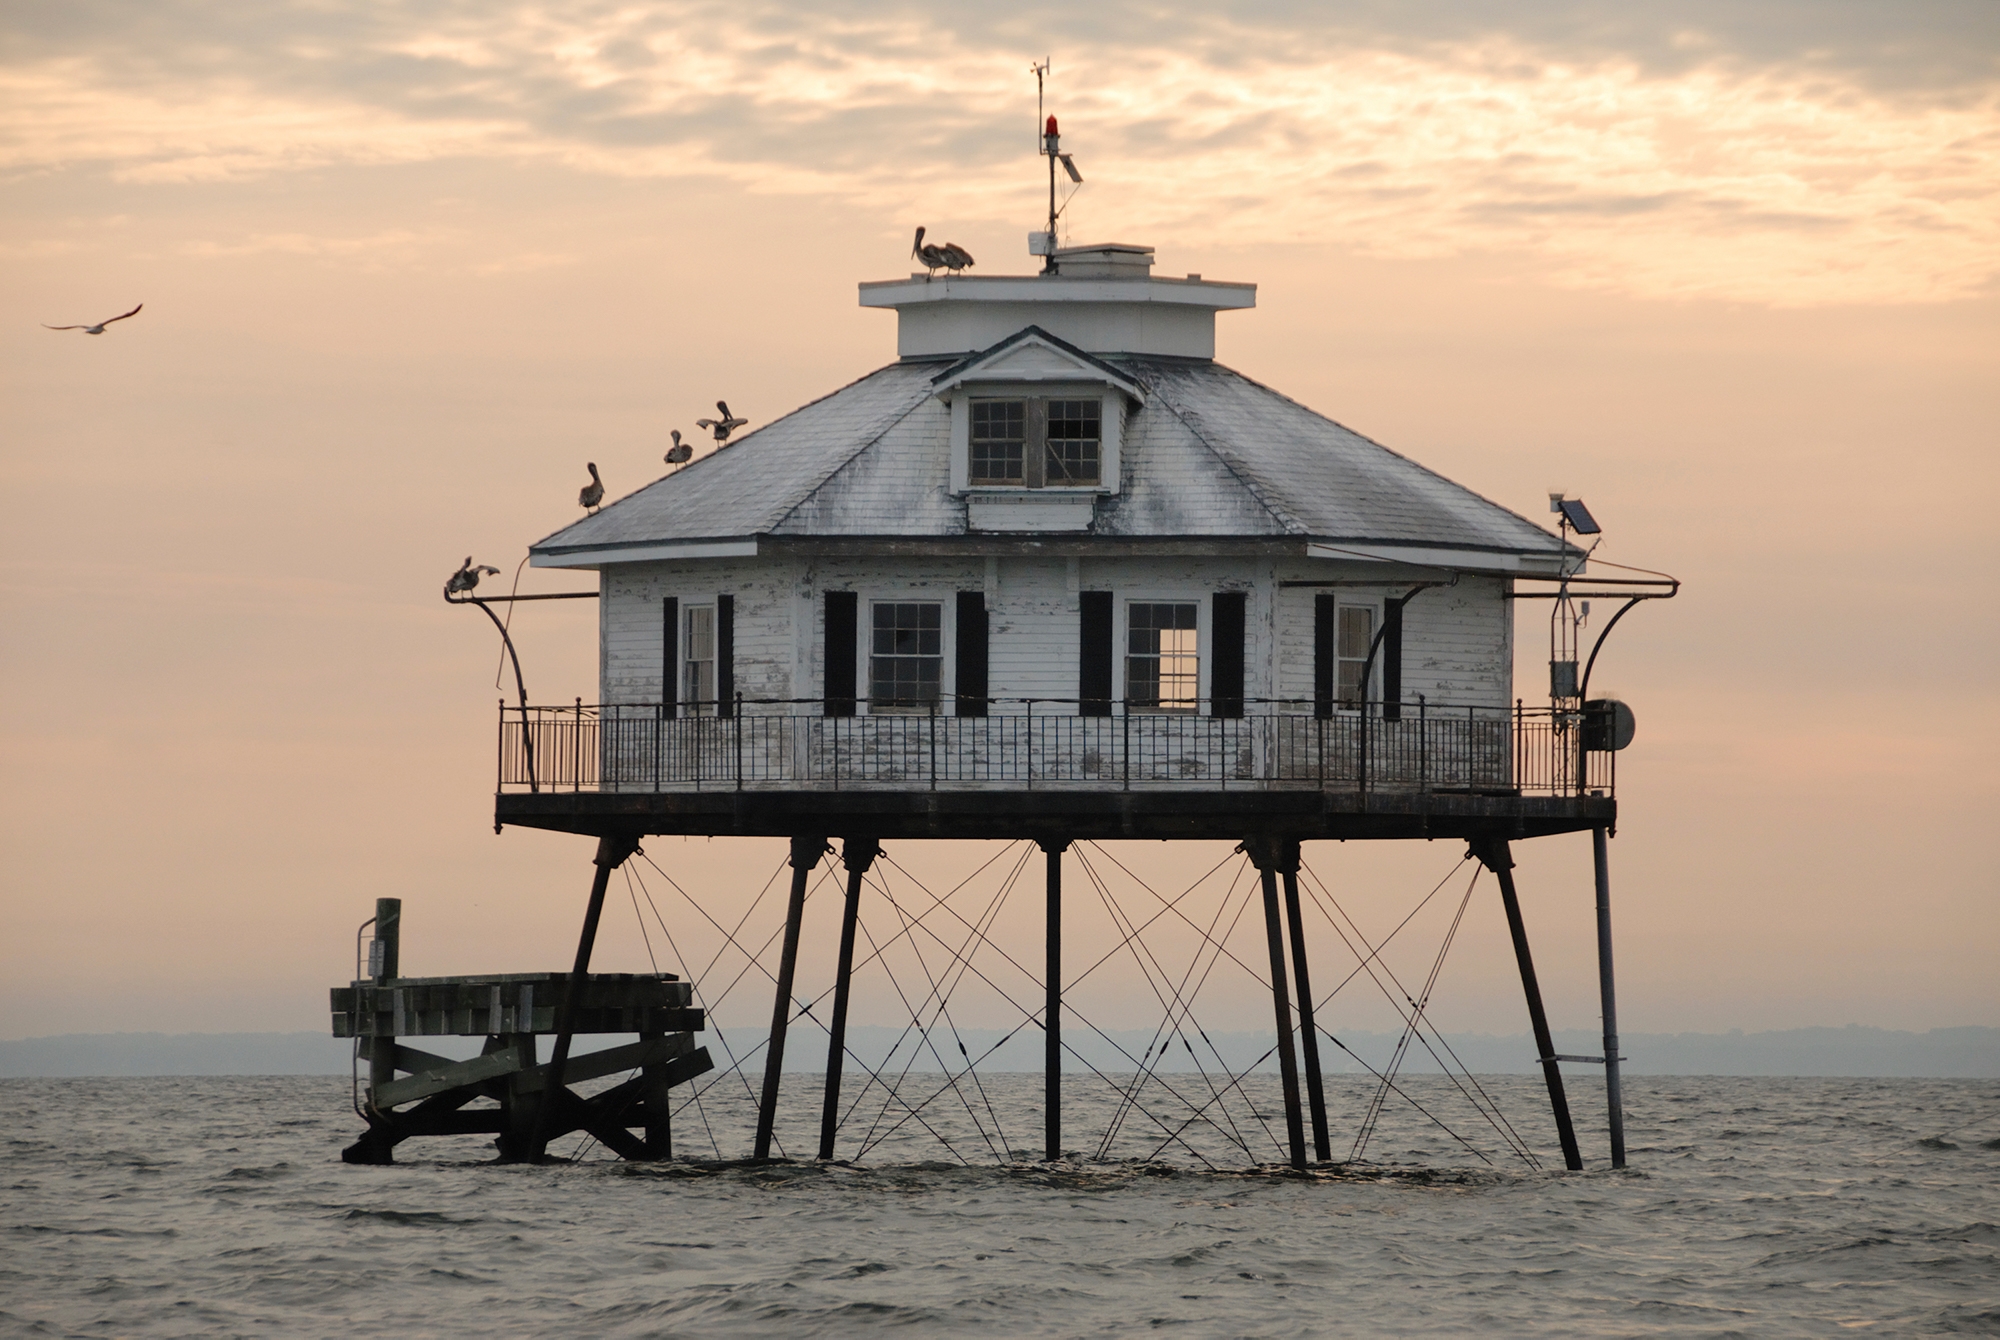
x: 1852, y: 1052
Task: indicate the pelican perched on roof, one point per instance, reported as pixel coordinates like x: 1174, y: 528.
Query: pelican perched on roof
x: 723, y: 426
x: 593, y: 492
x: 467, y: 577
x: 680, y: 452
x: 97, y: 329
x: 932, y: 256
x: 956, y: 257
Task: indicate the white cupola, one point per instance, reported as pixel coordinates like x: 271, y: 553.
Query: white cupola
x: 1104, y: 299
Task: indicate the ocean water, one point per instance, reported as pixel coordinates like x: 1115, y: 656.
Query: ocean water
x: 1752, y: 1207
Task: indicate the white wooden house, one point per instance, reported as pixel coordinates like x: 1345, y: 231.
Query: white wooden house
x: 1055, y: 503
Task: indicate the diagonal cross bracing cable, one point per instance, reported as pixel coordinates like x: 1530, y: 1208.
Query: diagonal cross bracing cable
x: 1180, y: 1005
x: 986, y: 917
x: 1488, y: 1110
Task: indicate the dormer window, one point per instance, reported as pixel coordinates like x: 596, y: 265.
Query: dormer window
x: 1074, y: 435
x: 999, y: 442
x: 1032, y: 442
x: 1037, y: 427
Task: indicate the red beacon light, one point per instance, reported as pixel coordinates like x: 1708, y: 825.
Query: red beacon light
x: 1049, y: 137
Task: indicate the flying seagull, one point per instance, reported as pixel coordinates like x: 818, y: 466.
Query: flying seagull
x: 97, y: 329
x: 723, y: 426
x: 681, y: 452
x: 932, y: 256
x: 467, y: 577
x: 593, y: 492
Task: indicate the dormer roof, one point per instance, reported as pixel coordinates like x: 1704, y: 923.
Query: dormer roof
x: 1034, y: 355
x: 1208, y: 455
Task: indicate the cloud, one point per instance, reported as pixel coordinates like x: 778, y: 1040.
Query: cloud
x: 1780, y: 153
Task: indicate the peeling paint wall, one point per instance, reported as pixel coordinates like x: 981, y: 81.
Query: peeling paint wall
x: 1457, y: 641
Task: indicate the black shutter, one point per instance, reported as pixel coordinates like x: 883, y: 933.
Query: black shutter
x: 971, y: 668
x: 843, y: 613
x: 1093, y: 678
x: 670, y: 654
x: 725, y: 656
x: 1325, y: 619
x: 1225, y: 675
x: 1392, y: 660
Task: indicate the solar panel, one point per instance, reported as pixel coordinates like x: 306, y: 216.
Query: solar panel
x: 1580, y: 519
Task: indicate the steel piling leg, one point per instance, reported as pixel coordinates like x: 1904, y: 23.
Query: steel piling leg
x: 1288, y: 859
x: 1052, y: 1007
x: 611, y: 853
x: 1498, y: 859
x: 1264, y: 857
x: 805, y: 855
x: 1607, y: 991
x: 857, y: 854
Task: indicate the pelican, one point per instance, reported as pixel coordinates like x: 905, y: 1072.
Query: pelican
x: 593, y: 492
x: 467, y: 577
x: 97, y: 329
x: 723, y: 426
x: 956, y: 257
x: 933, y: 257
x: 680, y: 452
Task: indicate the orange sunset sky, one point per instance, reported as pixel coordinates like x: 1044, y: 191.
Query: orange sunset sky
x: 1727, y: 271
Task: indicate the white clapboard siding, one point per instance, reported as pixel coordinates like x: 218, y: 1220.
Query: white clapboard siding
x: 1457, y: 642
x: 633, y: 639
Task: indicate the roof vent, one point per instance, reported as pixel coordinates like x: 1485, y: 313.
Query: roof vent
x: 1109, y: 260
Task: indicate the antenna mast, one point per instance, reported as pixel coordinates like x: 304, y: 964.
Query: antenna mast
x: 1046, y: 142
x: 1050, y: 148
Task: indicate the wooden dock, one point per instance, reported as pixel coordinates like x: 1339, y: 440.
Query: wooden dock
x: 411, y: 1092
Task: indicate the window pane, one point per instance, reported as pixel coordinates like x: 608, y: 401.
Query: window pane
x: 906, y: 655
x: 1357, y: 629
x: 999, y: 429
x: 701, y: 633
x: 1163, y: 661
x: 1357, y: 632
x: 1074, y: 435
x: 698, y: 661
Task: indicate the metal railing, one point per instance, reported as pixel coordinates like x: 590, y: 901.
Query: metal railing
x: 768, y: 744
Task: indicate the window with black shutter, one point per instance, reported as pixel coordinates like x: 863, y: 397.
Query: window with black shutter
x: 1094, y: 661
x: 1225, y: 676
x: 842, y: 615
x: 970, y: 669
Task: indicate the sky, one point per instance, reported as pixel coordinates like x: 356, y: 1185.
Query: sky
x: 1730, y: 272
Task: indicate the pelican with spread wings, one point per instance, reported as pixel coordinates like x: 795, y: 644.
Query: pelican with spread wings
x: 723, y: 426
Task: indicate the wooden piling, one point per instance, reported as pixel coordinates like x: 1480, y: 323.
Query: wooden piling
x: 384, y: 963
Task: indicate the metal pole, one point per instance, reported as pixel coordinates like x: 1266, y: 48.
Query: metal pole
x: 611, y: 853
x: 1288, y: 1065
x: 805, y: 855
x: 1613, y: 1096
x: 857, y: 854
x: 1288, y: 865
x: 1500, y: 861
x: 1052, y: 1006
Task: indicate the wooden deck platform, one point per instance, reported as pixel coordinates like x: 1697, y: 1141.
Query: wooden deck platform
x: 1101, y: 814
x: 511, y: 1010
